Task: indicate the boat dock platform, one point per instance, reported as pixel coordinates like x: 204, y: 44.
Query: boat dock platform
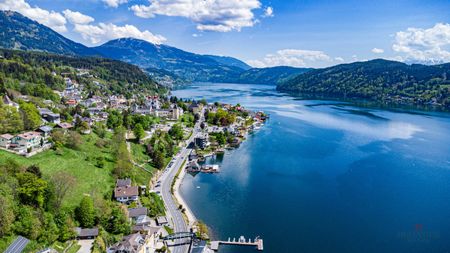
x: 258, y: 243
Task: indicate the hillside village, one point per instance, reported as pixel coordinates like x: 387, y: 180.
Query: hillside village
x: 156, y: 124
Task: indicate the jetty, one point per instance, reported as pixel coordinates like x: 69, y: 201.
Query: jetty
x: 258, y: 243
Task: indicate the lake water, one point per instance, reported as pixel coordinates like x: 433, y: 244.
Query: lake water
x: 326, y: 176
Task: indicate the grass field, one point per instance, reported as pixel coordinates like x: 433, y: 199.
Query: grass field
x: 79, y: 163
x: 140, y: 157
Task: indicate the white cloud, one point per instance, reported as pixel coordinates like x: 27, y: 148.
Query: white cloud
x: 52, y: 19
x: 339, y: 59
x: 395, y: 58
x: 76, y: 17
x: 210, y: 15
x: 114, y: 3
x: 103, y: 32
x: 295, y: 58
x: 268, y: 12
x: 424, y: 45
x: 377, y: 50
x: 82, y: 23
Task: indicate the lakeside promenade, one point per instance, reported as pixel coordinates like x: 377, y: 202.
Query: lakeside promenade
x: 176, y: 193
x: 172, y: 202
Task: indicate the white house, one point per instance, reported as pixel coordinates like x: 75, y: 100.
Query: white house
x: 5, y: 140
x: 24, y: 141
x: 124, y: 192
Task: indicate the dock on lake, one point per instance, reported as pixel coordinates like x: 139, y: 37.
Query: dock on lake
x: 258, y: 243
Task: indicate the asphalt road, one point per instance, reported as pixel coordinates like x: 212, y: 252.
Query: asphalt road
x: 166, y: 179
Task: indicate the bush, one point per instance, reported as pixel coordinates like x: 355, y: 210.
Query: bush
x: 100, y: 162
x: 101, y: 143
x: 74, y: 140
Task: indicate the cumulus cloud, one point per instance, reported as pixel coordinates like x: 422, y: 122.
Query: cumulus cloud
x: 377, y: 50
x: 211, y: 15
x: 103, y: 32
x: 295, y: 58
x: 268, y: 12
x: 76, y: 17
x: 82, y: 23
x: 424, y: 45
x: 114, y: 3
x: 52, y: 19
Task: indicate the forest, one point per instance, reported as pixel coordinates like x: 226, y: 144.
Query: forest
x: 376, y: 80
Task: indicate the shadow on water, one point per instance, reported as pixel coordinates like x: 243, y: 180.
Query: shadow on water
x: 360, y: 112
x: 423, y: 110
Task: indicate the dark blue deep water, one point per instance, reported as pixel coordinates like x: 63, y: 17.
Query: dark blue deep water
x: 326, y: 176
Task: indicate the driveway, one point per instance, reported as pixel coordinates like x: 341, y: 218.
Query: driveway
x: 85, y: 246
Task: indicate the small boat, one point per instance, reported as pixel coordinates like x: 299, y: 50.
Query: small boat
x: 210, y: 168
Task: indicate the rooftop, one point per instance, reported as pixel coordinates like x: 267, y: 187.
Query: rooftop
x: 127, y: 191
x: 7, y: 136
x: 65, y: 125
x: 130, y: 243
x: 29, y: 135
x: 45, y: 129
x: 123, y: 182
x: 86, y: 232
x: 161, y: 220
x: 136, y: 212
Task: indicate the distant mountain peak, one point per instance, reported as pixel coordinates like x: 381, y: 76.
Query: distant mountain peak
x: 190, y: 66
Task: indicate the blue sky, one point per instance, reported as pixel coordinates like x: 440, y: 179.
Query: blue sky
x: 296, y: 32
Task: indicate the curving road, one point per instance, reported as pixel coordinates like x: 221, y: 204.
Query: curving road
x: 166, y: 179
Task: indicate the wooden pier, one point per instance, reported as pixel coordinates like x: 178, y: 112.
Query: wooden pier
x: 258, y: 243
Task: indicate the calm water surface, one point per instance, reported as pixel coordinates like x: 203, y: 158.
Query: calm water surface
x: 325, y: 176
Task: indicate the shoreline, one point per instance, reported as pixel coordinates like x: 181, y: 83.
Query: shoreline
x: 189, y: 215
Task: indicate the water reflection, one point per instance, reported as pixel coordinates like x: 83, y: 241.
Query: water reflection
x: 380, y: 131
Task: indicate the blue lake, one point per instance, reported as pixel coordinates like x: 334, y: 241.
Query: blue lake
x: 327, y: 176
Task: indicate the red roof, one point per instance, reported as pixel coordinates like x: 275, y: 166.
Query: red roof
x: 71, y: 102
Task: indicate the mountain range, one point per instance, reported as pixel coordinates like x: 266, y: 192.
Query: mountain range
x: 190, y: 66
x: 162, y: 62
